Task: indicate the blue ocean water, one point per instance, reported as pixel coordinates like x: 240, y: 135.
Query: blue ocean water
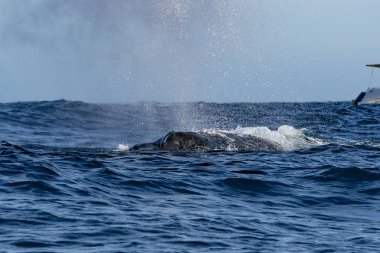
x: 69, y: 183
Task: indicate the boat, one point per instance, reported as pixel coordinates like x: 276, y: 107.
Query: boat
x: 371, y: 95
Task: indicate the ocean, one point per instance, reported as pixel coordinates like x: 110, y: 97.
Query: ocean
x: 71, y: 182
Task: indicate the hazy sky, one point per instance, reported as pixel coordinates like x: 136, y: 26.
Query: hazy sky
x: 185, y: 50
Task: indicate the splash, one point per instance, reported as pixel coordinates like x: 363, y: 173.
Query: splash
x: 287, y: 136
x: 121, y: 148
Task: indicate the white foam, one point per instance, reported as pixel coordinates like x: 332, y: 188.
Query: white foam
x: 288, y: 137
x: 122, y: 147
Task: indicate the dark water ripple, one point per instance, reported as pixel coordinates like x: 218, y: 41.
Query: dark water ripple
x: 65, y: 186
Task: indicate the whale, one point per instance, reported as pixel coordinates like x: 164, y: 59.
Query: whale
x: 208, y: 141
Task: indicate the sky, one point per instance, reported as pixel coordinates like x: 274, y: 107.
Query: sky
x: 127, y: 51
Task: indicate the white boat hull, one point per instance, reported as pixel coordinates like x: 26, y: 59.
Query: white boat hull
x: 370, y: 96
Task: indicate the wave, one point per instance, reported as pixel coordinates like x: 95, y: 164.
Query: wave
x: 256, y: 186
x: 347, y: 174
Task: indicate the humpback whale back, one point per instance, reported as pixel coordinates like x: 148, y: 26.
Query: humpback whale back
x: 183, y: 141
x: 204, y: 141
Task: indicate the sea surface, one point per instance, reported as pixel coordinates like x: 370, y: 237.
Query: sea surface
x: 69, y: 183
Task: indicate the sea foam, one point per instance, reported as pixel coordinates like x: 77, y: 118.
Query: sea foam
x: 287, y: 136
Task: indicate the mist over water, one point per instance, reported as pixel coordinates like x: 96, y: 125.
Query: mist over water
x: 118, y: 51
